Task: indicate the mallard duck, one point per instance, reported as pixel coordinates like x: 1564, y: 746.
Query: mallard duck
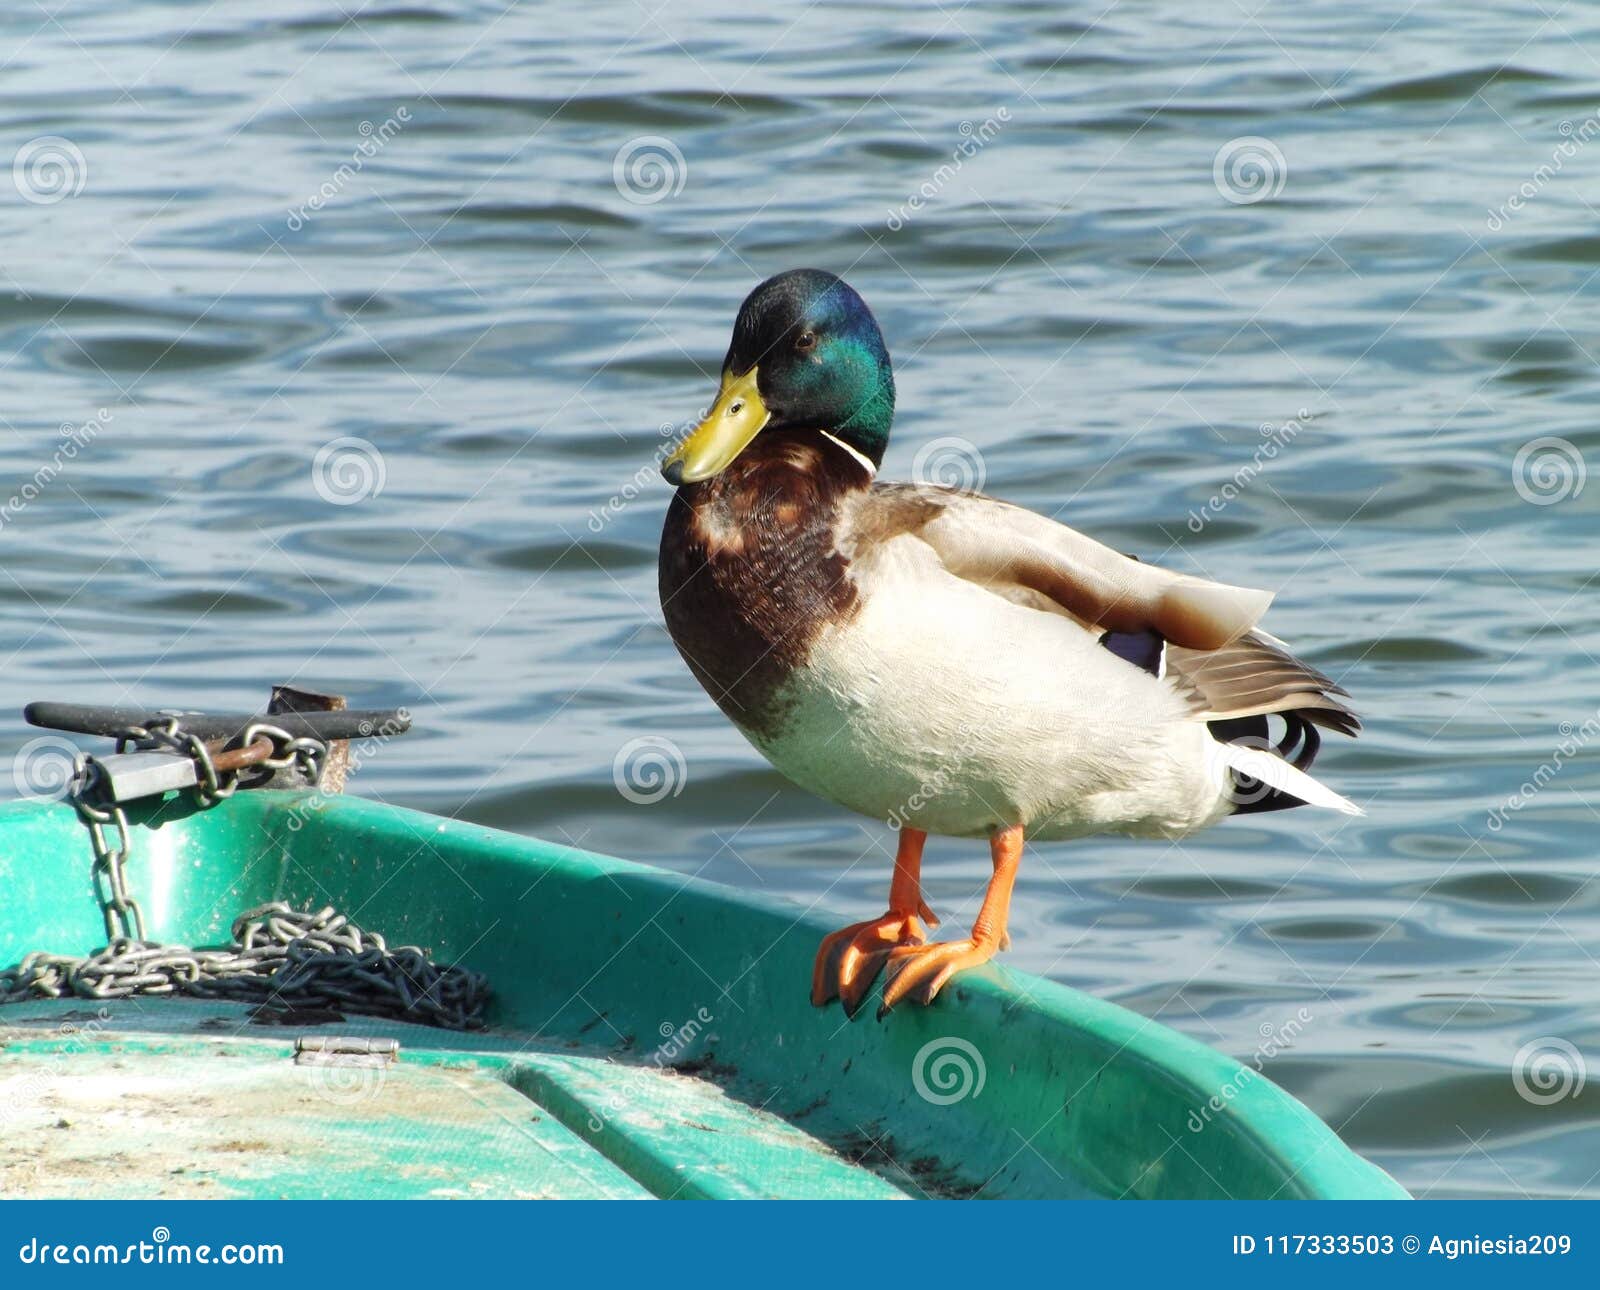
x: 944, y: 661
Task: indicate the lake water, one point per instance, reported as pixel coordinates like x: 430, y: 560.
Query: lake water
x: 1305, y: 300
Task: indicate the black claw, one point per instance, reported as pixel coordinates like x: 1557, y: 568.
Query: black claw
x: 888, y: 980
x: 871, y: 967
x: 830, y: 976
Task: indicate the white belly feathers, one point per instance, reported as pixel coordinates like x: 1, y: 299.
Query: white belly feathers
x: 945, y: 707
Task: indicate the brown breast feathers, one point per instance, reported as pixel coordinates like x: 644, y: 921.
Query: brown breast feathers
x: 750, y: 569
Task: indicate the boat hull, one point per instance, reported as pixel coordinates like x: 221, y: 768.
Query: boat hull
x: 650, y: 1036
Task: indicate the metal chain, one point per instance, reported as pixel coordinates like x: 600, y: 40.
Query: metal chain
x: 306, y: 754
x: 281, y: 958
x: 123, y: 916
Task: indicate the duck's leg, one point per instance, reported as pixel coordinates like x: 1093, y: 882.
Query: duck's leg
x: 850, y: 959
x: 919, y: 972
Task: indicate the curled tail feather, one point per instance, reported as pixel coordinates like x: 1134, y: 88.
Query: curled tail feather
x: 1264, y: 771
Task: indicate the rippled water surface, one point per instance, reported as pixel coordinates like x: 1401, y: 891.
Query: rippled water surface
x: 503, y: 246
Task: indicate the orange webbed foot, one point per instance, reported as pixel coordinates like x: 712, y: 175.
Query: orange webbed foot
x: 849, y: 960
x: 919, y: 972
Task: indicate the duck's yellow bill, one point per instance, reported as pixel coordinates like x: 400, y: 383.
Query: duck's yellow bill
x: 734, y: 420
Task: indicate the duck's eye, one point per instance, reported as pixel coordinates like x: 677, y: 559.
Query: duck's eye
x: 807, y: 342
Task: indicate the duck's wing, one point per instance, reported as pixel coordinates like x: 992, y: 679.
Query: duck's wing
x: 1019, y: 553
x: 1257, y: 676
x: 1197, y: 636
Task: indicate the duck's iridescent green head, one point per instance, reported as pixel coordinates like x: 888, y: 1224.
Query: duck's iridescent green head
x: 806, y: 355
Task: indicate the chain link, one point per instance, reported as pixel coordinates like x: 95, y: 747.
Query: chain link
x: 121, y: 911
x: 306, y: 754
x: 280, y: 958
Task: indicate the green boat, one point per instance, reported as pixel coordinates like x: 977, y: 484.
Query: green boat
x: 644, y: 1035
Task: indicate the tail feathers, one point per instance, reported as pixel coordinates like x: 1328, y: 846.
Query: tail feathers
x: 1272, y: 773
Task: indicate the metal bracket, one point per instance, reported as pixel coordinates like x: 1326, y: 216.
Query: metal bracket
x: 346, y: 1050
x: 126, y: 777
